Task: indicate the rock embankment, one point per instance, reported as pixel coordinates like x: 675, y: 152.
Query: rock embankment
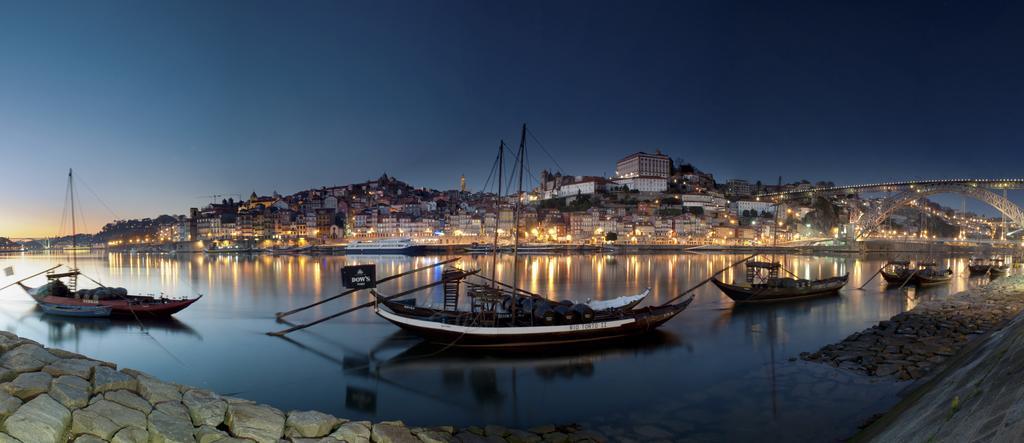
x: 51, y: 395
x: 911, y: 344
x: 976, y: 397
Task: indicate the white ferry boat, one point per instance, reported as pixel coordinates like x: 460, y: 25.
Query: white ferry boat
x: 403, y: 246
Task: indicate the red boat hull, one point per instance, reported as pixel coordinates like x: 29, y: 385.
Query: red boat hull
x: 156, y: 307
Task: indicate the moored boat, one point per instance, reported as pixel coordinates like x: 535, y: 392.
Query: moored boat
x: 928, y: 274
x: 979, y: 266
x: 896, y: 272
x: 56, y: 292
x: 468, y: 331
x: 763, y: 285
x: 75, y: 310
x: 67, y: 298
x: 403, y: 246
x: 504, y: 316
x: 998, y: 267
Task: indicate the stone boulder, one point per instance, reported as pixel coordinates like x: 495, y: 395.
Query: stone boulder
x: 209, y: 434
x: 169, y: 428
x: 129, y: 399
x: 175, y: 409
x: 42, y: 420
x: 205, y: 408
x: 70, y: 391
x: 353, y: 432
x: 28, y: 385
x: 117, y: 413
x: 131, y: 434
x: 73, y: 366
x: 258, y: 422
x: 27, y: 358
x: 106, y: 379
x: 89, y: 422
x: 392, y: 433
x: 8, y: 404
x: 156, y: 391
x: 7, y: 375
x: 309, y: 424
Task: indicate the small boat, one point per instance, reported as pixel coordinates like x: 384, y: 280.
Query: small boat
x: 928, y: 274
x: 499, y: 318
x: 231, y: 250
x: 979, y: 266
x: 539, y: 248
x: 998, y: 268
x: 57, y: 293
x: 94, y: 311
x: 478, y: 248
x: 765, y: 286
x: 536, y: 322
x: 403, y: 246
x: 896, y: 272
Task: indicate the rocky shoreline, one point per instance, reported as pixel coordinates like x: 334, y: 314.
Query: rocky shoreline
x: 51, y: 395
x: 911, y: 344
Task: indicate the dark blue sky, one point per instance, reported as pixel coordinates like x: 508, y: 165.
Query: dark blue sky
x: 158, y: 103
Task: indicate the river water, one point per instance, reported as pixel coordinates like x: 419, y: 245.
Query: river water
x: 714, y: 373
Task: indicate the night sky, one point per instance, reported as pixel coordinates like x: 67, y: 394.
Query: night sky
x: 156, y: 104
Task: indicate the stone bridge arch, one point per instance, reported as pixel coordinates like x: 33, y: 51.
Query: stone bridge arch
x: 870, y: 221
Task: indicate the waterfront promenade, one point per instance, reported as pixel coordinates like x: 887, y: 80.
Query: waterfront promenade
x: 51, y: 395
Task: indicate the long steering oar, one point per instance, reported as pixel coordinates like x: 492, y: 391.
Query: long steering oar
x: 708, y: 279
x: 33, y: 275
x: 280, y: 315
x: 912, y: 274
x: 861, y: 288
x: 461, y: 275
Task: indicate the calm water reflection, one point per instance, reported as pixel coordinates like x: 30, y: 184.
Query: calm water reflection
x: 713, y: 373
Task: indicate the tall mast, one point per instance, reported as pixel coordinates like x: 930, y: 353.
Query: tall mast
x: 71, y: 187
x: 515, y: 222
x: 497, y: 214
x: 775, y: 227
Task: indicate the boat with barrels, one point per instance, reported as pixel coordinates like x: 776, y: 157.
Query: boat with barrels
x: 764, y: 285
x: 929, y: 274
x: 119, y: 302
x: 999, y: 267
x: 502, y: 315
x: 979, y: 266
x: 65, y: 298
x: 896, y: 272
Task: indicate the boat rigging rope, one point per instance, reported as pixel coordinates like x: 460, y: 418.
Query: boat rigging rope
x: 142, y: 326
x: 534, y: 137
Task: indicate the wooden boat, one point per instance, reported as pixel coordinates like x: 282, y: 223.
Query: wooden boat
x: 540, y: 327
x: 75, y: 310
x: 896, y: 272
x: 512, y: 318
x: 928, y: 274
x: 979, y: 266
x: 56, y: 292
x: 998, y: 268
x: 765, y: 286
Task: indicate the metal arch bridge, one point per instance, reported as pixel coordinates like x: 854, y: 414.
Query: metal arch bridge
x: 907, y: 191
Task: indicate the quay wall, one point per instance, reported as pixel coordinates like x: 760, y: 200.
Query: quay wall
x: 49, y: 395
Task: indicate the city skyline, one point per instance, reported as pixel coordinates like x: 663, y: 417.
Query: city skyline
x: 221, y: 99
